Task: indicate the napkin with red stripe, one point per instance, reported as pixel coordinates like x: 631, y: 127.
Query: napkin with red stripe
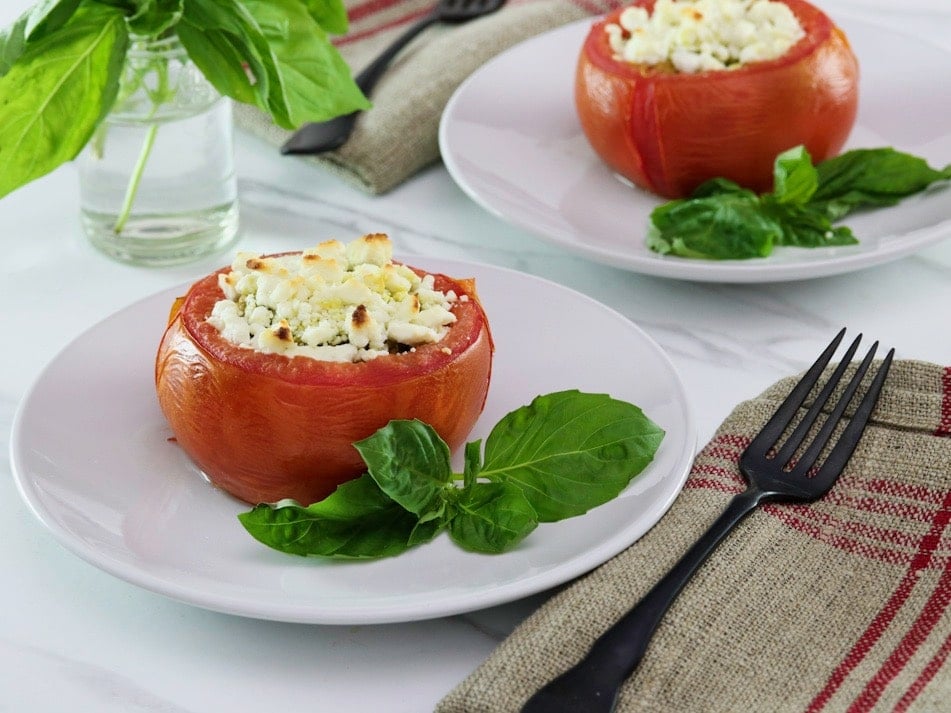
x: 398, y: 136
x: 843, y: 605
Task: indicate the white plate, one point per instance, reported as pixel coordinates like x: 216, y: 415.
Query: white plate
x: 924, y: 7
x: 511, y: 140
x: 92, y: 459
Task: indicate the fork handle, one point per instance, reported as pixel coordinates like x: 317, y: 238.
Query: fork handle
x: 592, y: 685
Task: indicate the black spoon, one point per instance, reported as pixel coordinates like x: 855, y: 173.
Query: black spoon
x: 329, y: 135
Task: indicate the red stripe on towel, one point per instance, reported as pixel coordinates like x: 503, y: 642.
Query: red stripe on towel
x: 853, y: 537
x: 888, y: 612
x: 944, y: 428
x: 933, y: 666
x: 932, y: 611
x: 589, y: 6
x: 941, y: 655
x: 358, y: 12
x: 357, y: 36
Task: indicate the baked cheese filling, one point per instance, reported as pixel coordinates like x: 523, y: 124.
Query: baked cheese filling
x: 334, y: 302
x: 699, y: 35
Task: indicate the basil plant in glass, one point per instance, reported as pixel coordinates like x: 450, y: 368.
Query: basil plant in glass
x: 139, y: 92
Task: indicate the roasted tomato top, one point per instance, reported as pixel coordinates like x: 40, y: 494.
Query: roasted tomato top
x: 266, y: 426
x: 668, y: 132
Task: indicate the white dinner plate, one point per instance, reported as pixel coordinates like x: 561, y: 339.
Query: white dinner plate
x: 510, y: 138
x: 92, y: 458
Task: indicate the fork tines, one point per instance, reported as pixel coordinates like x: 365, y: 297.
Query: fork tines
x: 767, y: 439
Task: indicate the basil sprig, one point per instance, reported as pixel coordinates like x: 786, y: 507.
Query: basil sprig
x: 721, y: 220
x: 558, y: 457
x: 60, y: 66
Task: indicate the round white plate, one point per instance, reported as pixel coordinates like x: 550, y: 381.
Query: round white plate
x: 511, y: 139
x: 92, y: 458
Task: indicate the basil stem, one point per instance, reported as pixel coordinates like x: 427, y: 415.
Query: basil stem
x: 133, y: 188
x: 159, y: 96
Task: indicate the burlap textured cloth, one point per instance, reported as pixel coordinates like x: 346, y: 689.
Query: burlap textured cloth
x: 399, y: 135
x: 839, y: 605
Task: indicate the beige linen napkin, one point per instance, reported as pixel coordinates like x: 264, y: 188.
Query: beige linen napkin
x: 398, y: 136
x: 839, y: 605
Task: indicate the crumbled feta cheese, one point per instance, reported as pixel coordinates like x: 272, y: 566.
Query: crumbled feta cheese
x: 699, y: 35
x: 333, y: 302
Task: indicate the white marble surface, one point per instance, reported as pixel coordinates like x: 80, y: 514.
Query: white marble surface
x: 74, y: 638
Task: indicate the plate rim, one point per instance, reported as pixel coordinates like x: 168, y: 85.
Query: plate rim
x: 704, y: 271
x: 378, y: 614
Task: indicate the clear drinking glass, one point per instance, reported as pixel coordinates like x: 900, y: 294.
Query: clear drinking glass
x: 157, y: 181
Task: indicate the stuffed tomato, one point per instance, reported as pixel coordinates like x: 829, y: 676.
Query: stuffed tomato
x: 668, y: 130
x: 276, y: 416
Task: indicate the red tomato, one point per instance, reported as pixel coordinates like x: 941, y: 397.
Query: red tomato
x: 265, y: 426
x: 668, y: 132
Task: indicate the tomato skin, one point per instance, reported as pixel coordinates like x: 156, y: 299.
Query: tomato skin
x: 264, y: 427
x: 668, y: 132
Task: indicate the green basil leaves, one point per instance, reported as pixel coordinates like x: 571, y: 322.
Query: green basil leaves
x: 723, y: 221
x: 558, y: 457
x: 569, y: 451
x: 57, y: 91
x: 871, y: 178
x: 60, y: 66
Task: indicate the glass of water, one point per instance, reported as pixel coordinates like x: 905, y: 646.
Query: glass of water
x: 157, y: 180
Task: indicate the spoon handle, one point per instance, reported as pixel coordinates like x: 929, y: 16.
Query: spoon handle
x: 315, y: 138
x: 368, y: 78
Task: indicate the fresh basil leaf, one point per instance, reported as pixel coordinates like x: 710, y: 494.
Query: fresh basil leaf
x: 872, y: 177
x: 233, y: 32
x: 717, y: 187
x: 426, y: 530
x: 219, y: 57
x: 492, y: 517
x: 139, y: 9
x: 795, y: 179
x: 570, y: 451
x: 806, y: 226
x: 356, y: 521
x: 129, y: 8
x: 722, y: 220
x: 156, y: 17
x: 48, y: 16
x: 720, y: 227
x: 12, y: 43
x: 411, y: 464
x: 309, y: 76
x: 557, y: 457
x: 57, y: 92
x: 331, y: 15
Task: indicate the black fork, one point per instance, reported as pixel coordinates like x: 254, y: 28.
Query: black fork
x: 773, y: 473
x: 324, y: 136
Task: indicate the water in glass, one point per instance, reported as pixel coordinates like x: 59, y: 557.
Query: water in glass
x: 157, y: 181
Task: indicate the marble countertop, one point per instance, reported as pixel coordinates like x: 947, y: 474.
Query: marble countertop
x: 75, y: 638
